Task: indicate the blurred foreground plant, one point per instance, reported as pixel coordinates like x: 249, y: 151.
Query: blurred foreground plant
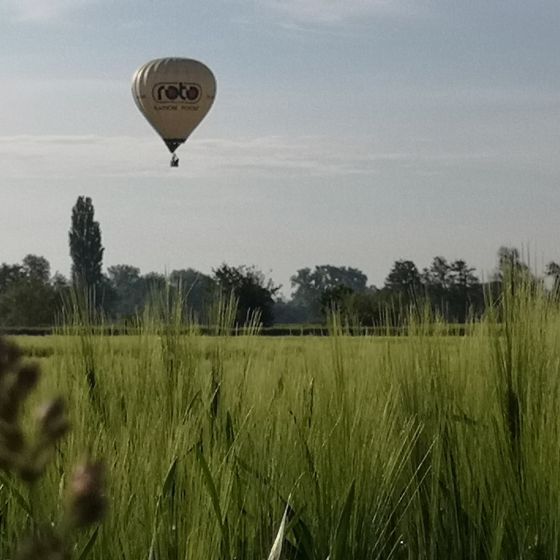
x: 27, y: 458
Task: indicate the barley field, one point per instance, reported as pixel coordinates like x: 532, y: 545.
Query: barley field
x: 425, y: 446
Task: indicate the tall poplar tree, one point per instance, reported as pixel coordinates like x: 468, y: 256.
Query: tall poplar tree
x: 85, y: 245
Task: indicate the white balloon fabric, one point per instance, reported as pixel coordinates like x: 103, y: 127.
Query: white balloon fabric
x: 174, y: 94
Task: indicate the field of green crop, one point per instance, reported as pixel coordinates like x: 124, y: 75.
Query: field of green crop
x: 424, y: 446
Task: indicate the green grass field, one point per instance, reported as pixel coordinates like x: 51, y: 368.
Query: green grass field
x: 424, y: 446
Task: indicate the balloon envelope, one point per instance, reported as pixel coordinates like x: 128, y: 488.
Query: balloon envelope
x: 174, y: 94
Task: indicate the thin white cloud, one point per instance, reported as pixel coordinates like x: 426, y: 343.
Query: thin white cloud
x: 23, y: 157
x: 41, y: 11
x: 337, y: 11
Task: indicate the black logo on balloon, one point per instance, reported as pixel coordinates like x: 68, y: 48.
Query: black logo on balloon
x: 176, y: 92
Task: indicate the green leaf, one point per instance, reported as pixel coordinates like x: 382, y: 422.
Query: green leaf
x: 304, y: 539
x: 341, y: 536
x: 168, y: 483
x: 169, y: 478
x: 215, y: 499
x: 17, y: 495
x: 89, y: 545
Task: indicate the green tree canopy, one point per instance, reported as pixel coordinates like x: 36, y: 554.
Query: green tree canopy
x: 196, y: 288
x: 553, y: 271
x: 86, y: 249
x: 311, y: 288
x: 28, y: 298
x: 128, y: 290
x: 452, y: 289
x: 254, y: 293
x: 404, y: 279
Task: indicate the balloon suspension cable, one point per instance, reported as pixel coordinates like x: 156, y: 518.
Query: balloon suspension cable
x: 174, y: 161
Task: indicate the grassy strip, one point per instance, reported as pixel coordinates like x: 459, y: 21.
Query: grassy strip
x: 424, y: 446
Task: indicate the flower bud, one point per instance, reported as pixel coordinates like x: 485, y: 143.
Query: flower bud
x: 86, y: 500
x: 52, y: 420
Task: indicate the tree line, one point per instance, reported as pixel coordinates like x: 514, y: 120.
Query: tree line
x: 30, y: 296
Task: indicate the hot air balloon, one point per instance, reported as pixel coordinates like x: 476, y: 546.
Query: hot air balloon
x: 174, y: 94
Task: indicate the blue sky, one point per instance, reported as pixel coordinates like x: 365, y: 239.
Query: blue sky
x: 348, y: 132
